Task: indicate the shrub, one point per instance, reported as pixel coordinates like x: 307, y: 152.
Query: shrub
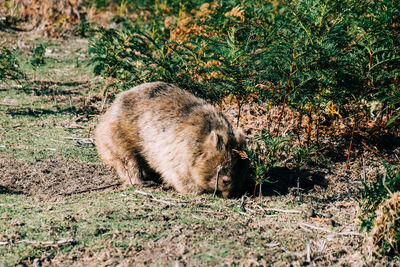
x: 9, y: 66
x: 265, y: 153
x: 314, y: 57
x: 38, y: 58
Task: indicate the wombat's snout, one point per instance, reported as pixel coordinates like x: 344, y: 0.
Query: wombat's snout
x: 225, y: 182
x: 225, y: 186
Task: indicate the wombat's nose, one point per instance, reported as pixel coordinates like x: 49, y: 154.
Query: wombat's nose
x: 226, y: 181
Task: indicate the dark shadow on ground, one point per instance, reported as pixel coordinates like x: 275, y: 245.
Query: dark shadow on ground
x: 51, y: 88
x: 381, y: 141
x: 283, y: 180
x: 37, y: 112
x: 6, y: 190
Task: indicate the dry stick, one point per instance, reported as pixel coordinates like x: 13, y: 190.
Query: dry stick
x: 349, y: 150
x: 239, y: 107
x: 78, y: 138
x: 151, y: 197
x: 317, y: 123
x: 364, y: 174
x: 288, y: 85
x: 375, y: 151
x: 281, y: 113
x: 91, y: 189
x: 255, y: 188
x: 308, y: 257
x: 309, y: 124
x: 278, y: 210
x: 269, y: 116
x: 283, y: 211
x: 104, y: 101
x: 299, y: 123
x: 216, y: 180
x: 306, y: 225
x: 344, y: 233
x: 271, y: 245
x: 47, y: 243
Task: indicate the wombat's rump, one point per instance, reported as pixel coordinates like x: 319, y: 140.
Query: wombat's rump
x: 158, y: 131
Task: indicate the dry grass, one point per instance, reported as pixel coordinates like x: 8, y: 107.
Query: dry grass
x: 385, y: 232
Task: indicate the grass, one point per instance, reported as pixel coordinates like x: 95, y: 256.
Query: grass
x: 24, y: 138
x: 122, y: 226
x: 39, y: 115
x: 122, y: 219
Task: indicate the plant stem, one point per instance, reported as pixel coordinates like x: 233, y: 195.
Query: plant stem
x: 349, y: 150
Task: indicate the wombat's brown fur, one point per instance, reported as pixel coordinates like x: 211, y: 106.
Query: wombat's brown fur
x: 157, y: 130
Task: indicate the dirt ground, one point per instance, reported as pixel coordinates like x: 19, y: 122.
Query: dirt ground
x: 54, y: 177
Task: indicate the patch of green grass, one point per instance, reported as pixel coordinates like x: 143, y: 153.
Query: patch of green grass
x: 125, y: 220
x: 45, y: 136
x: 37, y: 117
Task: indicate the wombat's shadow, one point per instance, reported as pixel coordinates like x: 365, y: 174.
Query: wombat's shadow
x: 283, y: 180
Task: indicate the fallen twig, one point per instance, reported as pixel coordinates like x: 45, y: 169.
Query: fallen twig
x: 375, y: 151
x: 91, y: 189
x: 45, y: 243
x: 152, y: 198
x: 271, y: 245
x: 278, y: 210
x: 78, y: 138
x: 349, y: 149
x: 308, y: 252
x: 344, y: 233
x: 306, y: 225
x: 364, y: 173
x: 216, y: 180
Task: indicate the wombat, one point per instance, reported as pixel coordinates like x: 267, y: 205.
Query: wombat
x: 156, y: 131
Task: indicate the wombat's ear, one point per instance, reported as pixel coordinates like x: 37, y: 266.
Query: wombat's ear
x: 215, y: 140
x: 239, y: 135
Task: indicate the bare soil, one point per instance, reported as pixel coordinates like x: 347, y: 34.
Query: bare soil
x: 52, y: 178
